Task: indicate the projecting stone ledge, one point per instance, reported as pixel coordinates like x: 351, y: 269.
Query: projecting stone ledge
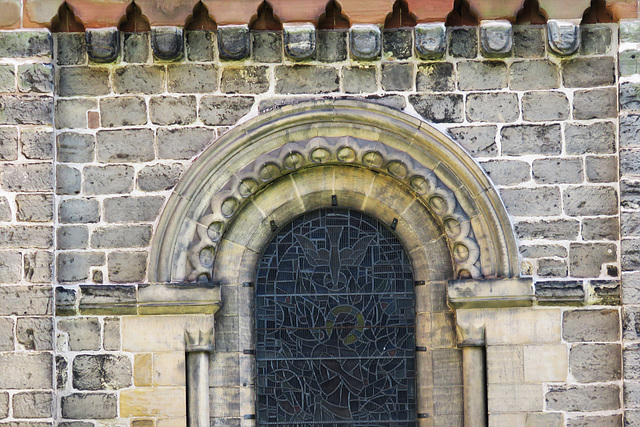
x: 491, y: 293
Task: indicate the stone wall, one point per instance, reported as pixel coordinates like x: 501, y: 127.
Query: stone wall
x: 134, y: 110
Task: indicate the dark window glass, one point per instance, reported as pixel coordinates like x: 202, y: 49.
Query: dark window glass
x: 335, y: 324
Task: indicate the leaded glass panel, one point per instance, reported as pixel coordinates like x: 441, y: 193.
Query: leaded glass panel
x: 335, y: 324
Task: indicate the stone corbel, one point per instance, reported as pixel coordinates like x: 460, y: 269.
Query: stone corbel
x: 564, y: 36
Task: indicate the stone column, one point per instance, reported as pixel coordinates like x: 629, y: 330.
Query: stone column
x: 475, y: 385
x: 198, y: 347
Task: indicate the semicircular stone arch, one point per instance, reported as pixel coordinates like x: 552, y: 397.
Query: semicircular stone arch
x: 414, y: 158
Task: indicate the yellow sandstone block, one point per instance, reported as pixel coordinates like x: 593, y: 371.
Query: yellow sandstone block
x: 169, y: 368
x: 153, y: 401
x: 142, y: 369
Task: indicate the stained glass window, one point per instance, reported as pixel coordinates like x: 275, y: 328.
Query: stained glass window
x: 335, y: 324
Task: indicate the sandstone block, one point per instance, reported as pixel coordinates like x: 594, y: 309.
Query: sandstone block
x: 361, y: 79
x: 583, y: 398
x: 68, y: 180
x: 492, y: 107
x: 545, y: 106
x: 8, y: 143
x: 596, y: 362
x: 124, y: 236
x: 588, y: 72
x: 6, y: 340
x: 534, y: 75
x: 245, y: 80
x: 109, y: 179
x: 545, y: 363
x: 463, y: 42
x: 33, y: 404
x: 21, y: 371
x: 10, y: 267
x: 171, y: 110
x: 101, y: 372
x: 507, y: 172
x: 143, y: 79
x: 127, y: 267
x: 123, y: 111
x: 482, y: 75
x: 595, y: 104
x: 84, y: 333
x: 221, y: 111
x: 38, y: 267
x: 439, y: 108
x: 184, y: 143
x: 133, y: 145
x: 479, y: 141
x: 159, y: 177
x: 34, y: 207
x: 306, y: 79
x: 74, y: 266
x: 539, y: 201
x: 591, y: 325
x: 83, y: 81
x: 397, y: 76
x: 35, y: 333
x: 558, y: 170
x: 435, y: 77
x: 590, y: 201
x: 72, y: 113
x: 79, y: 211
x: 98, y: 406
x: 132, y: 209
x: 37, y: 144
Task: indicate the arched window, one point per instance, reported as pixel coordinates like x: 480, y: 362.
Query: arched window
x: 335, y: 324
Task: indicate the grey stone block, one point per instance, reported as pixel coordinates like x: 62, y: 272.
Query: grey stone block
x: 554, y: 292
x: 628, y: 62
x: 35, y: 78
x: 35, y: 333
x: 462, y: 42
x: 8, y: 143
x: 397, y: 77
x: 397, y: 43
x: 538, y: 201
x: 32, y: 177
x: 596, y: 104
x: 111, y: 334
x: 479, y: 141
x: 583, y: 398
x: 435, y: 77
x: 133, y: 145
x: 33, y: 404
x: 123, y: 111
x: 233, y: 42
x: 592, y: 200
x: 596, y: 421
x: 79, y: 211
x: 596, y: 39
x: 37, y: 144
x: 120, y: 298
x: 167, y: 43
x: 103, y: 44
x: 266, y: 46
x: 127, y: 267
x: 183, y: 143
x: 224, y: 111
x: 588, y: 72
x: 132, y: 209
x: 496, y: 37
x: 630, y: 194
x: 20, y: 300
x: 543, y: 251
x: 482, y: 75
x: 6, y: 342
x: 61, y: 373
x: 630, y: 254
x: 605, y: 292
x: 84, y: 332
x: 587, y: 259
x: 507, y: 172
x: 90, y: 405
x: 558, y: 170
x: 601, y: 168
x: 143, y: 79
x: 26, y: 110
x: 534, y: 75
x: 68, y: 180
x: 101, y: 372
x: 306, y: 79
x: 5, y: 210
x: 331, y: 45
x: 159, y: 177
x: 72, y: 113
x: 199, y: 45
x: 596, y: 138
x: 431, y: 40
x: 365, y: 42
x: 192, y: 78
x: 74, y: 266
x: 600, y: 228
x: 4, y: 405
x: 109, y: 179
x: 172, y: 110
x: 492, y: 107
x: 23, y: 370
x: 545, y: 106
x: 10, y: 267
x: 34, y: 207
x: 299, y: 41
x: 630, y: 31
x: 27, y: 236
x: 25, y: 44
x: 531, y: 139
x: 559, y: 229
x: 7, y: 78
x: 564, y: 36
x: 439, y: 108
x: 71, y: 48
x: 591, y: 325
x: 72, y: 237
x: 631, y: 332
x: 75, y: 147
x: 83, y: 81
x: 595, y: 362
x: 359, y: 79
x: 552, y: 268
x: 629, y: 92
x: 248, y: 79
x: 136, y: 47
x: 134, y: 236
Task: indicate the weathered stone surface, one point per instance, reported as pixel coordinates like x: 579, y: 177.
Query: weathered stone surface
x: 172, y: 110
x: 4, y: 405
x: 595, y: 104
x: 134, y: 236
x: 192, y: 78
x: 33, y: 404
x: 35, y: 78
x: 628, y: 62
x: 558, y: 170
x: 10, y: 267
x: 531, y: 139
x: 84, y: 333
x: 559, y: 229
x: 463, y: 42
x: 583, y: 398
x: 306, y: 79
x: 72, y: 237
x: 126, y: 267
x: 542, y: 251
x: 601, y: 168
x: 591, y: 138
x: 596, y: 421
x: 167, y: 42
x: 90, y: 405
x: 266, y: 46
x: 26, y: 110
x: 588, y: 72
x: 233, y: 42
x: 600, y: 228
x: 439, y: 108
x: 492, y: 107
x: 482, y: 75
x: 507, y: 172
x: 159, y: 177
x: 534, y: 75
x: 359, y: 79
x: 596, y: 39
x: 605, y: 292
x: 123, y: 111
x: 224, y: 111
x: 183, y: 143
x: 587, y: 258
x: 24, y: 44
x: 545, y: 106
x: 133, y: 145
x: 132, y: 209
x: 5, y: 210
x: 103, y: 44
x: 25, y: 300
x: 539, y: 201
x: 590, y: 201
x: 397, y: 76
x: 61, y: 373
x: 552, y: 268
x: 37, y: 144
x: 101, y: 372
x: 68, y: 180
x: 33, y: 177
x: 629, y: 96
x: 591, y: 325
x: 630, y: 254
x: 83, y: 81
x: 72, y: 113
x: 299, y: 41
x: 38, y: 267
x: 564, y: 36
x: 111, y: 334
x: 8, y: 143
x: 630, y: 194
x: 560, y: 292
x: 529, y: 41
x: 71, y: 48
x: 79, y: 211
x: 75, y: 147
x: 6, y: 340
x: 596, y: 362
x: 246, y: 80
x: 34, y: 207
x: 23, y: 370
x: 364, y: 42
x: 139, y: 79
x: 74, y: 266
x: 136, y: 47
x: 436, y: 77
x: 7, y: 78
x: 26, y: 236
x: 496, y: 37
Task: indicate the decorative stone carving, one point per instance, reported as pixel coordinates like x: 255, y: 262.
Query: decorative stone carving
x: 564, y: 36
x: 103, y: 44
x: 233, y: 42
x: 431, y: 40
x: 496, y: 37
x: 300, y: 41
x: 365, y: 42
x: 167, y: 43
x: 198, y: 340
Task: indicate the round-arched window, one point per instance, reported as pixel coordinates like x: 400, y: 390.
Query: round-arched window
x: 335, y: 324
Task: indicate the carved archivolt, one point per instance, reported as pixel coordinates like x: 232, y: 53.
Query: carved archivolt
x: 257, y: 154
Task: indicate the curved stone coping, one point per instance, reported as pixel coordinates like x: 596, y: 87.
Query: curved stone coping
x: 199, y: 199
